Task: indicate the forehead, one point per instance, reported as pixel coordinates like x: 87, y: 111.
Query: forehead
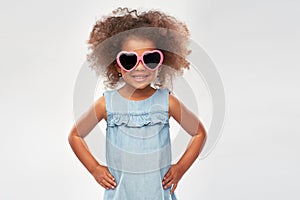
x: 136, y: 44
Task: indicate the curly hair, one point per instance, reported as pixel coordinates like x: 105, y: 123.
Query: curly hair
x: 166, y: 32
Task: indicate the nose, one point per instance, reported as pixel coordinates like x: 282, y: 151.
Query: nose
x: 140, y: 66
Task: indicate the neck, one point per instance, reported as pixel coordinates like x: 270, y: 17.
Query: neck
x: 136, y: 93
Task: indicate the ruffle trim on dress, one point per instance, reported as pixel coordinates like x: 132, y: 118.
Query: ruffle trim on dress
x: 137, y: 120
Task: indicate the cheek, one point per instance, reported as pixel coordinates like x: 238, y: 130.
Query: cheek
x: 155, y: 73
x: 124, y: 73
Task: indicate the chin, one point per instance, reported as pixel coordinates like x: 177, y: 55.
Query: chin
x: 141, y: 87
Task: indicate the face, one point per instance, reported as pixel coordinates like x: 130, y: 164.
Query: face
x: 140, y: 77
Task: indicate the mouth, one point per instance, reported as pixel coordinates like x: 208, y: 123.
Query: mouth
x: 139, y: 77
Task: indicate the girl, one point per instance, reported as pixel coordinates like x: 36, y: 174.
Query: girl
x: 134, y: 52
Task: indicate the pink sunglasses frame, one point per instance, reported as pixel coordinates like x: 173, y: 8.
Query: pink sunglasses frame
x: 140, y: 58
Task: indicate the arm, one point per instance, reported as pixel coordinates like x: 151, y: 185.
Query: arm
x: 192, y: 125
x: 82, y: 128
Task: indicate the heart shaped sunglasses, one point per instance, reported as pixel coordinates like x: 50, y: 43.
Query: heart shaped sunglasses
x: 129, y: 60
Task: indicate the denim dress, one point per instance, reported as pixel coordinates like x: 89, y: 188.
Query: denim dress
x: 138, y: 147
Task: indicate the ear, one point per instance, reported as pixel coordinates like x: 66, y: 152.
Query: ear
x: 119, y: 69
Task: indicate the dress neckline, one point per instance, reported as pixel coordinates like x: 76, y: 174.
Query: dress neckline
x: 152, y: 95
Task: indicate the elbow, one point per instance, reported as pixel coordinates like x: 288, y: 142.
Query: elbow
x: 71, y: 137
x: 204, y: 133
x: 204, y: 139
x: 204, y: 136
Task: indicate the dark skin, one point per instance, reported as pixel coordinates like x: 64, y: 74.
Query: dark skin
x: 137, y: 89
x: 177, y: 110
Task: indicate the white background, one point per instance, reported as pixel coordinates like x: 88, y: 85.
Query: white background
x: 254, y: 45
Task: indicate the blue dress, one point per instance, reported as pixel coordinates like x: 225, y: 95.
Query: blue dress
x: 138, y: 147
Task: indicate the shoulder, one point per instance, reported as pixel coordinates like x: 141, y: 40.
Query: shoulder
x: 100, y: 107
x: 174, y: 106
x: 100, y: 102
x: 173, y: 101
x: 163, y: 91
x: 108, y: 93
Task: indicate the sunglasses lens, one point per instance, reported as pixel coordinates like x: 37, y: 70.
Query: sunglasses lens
x: 128, y: 60
x: 152, y: 60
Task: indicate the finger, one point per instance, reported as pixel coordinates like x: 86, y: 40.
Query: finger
x: 103, y: 185
x: 173, y: 188
x: 167, y: 180
x: 110, y: 176
x: 107, y: 184
x: 169, y: 184
x: 110, y: 181
x: 167, y: 175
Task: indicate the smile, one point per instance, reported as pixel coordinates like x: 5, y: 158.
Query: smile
x: 140, y: 77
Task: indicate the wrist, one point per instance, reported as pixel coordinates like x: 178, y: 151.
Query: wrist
x: 94, y: 169
x: 180, y: 166
x: 183, y: 167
